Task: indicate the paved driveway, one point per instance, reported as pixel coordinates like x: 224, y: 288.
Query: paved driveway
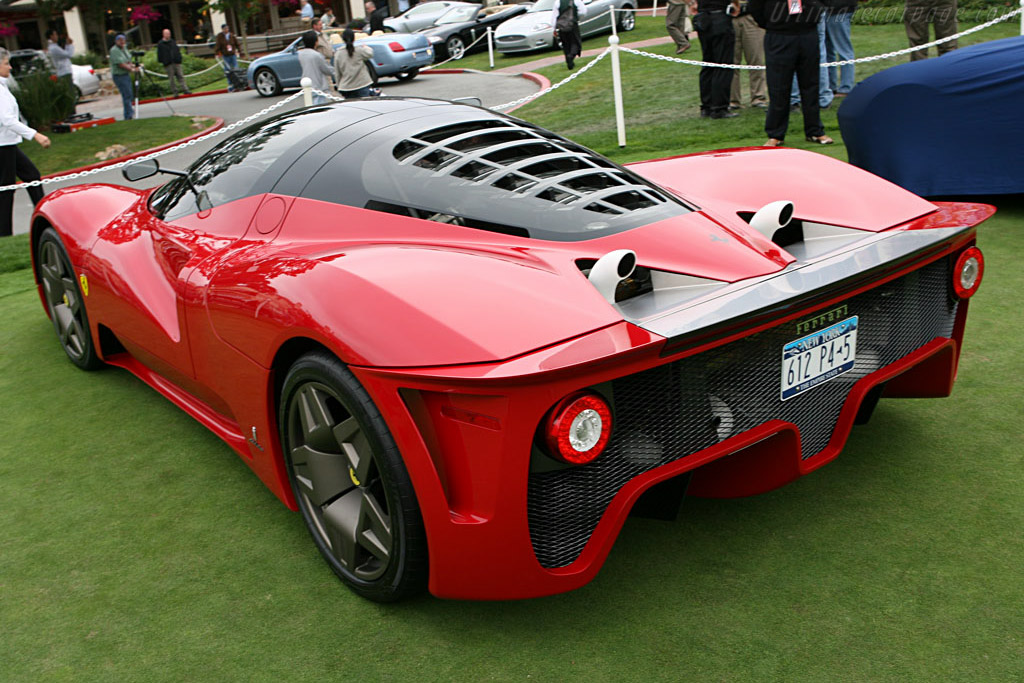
x: 492, y: 89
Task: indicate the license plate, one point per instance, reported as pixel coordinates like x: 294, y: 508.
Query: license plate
x: 818, y: 357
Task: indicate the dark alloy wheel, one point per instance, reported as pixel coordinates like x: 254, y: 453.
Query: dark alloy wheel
x: 350, y: 482
x: 456, y: 48
x: 407, y: 75
x: 267, y: 83
x: 627, y: 19
x: 64, y: 301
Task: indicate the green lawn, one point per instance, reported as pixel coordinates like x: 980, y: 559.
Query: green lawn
x: 135, y: 546
x: 74, y: 150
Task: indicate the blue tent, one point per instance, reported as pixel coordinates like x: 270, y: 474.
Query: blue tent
x: 947, y: 126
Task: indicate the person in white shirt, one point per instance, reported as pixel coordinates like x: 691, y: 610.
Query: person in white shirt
x: 13, y: 162
x: 314, y: 66
x: 565, y: 17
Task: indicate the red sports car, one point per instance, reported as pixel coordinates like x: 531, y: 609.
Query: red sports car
x: 467, y: 348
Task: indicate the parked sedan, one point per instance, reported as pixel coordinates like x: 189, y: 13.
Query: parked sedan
x: 401, y: 55
x: 84, y: 77
x: 534, y: 30
x: 459, y: 29
x: 421, y: 16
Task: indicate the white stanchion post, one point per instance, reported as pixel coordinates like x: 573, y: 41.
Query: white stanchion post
x: 490, y: 45
x: 620, y: 121
x: 611, y: 17
x: 654, y: 9
x: 307, y: 91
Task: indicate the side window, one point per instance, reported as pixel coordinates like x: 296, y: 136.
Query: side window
x: 235, y: 170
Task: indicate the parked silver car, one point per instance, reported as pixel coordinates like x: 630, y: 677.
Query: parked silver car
x: 534, y: 31
x: 420, y: 16
x: 84, y: 77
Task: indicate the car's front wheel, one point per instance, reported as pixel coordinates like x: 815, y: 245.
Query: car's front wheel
x: 627, y: 19
x: 407, y: 75
x: 456, y: 47
x: 267, y: 83
x: 350, y: 481
x: 64, y: 301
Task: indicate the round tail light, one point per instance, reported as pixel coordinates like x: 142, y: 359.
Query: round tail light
x: 967, y: 272
x: 577, y: 429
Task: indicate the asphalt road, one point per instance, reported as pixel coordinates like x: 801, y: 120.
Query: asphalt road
x: 492, y: 89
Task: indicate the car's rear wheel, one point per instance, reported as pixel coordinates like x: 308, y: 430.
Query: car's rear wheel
x: 627, y: 19
x: 64, y: 301
x: 350, y: 481
x: 267, y: 83
x: 456, y: 47
x: 407, y: 75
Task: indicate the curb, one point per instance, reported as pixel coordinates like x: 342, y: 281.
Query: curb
x: 541, y: 81
x: 218, y: 123
x: 151, y: 100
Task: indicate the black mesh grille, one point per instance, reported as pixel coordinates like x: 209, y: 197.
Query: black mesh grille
x: 671, y: 411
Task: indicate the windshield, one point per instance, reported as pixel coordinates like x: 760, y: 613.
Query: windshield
x: 543, y: 5
x: 458, y: 14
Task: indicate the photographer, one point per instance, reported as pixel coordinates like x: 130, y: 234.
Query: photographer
x: 121, y: 69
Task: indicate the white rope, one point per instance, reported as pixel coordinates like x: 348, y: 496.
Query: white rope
x: 450, y: 58
x: 154, y: 155
x: 874, y: 58
x: 530, y: 98
x: 194, y: 73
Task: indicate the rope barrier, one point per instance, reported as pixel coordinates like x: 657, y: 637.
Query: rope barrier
x: 545, y: 91
x: 450, y: 58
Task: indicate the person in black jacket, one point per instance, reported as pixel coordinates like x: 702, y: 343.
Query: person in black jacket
x: 169, y: 54
x: 791, y: 47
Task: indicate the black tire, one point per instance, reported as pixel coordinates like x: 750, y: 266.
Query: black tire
x: 350, y: 481
x: 407, y: 75
x: 64, y: 301
x: 455, y: 46
x: 267, y: 83
x: 627, y: 19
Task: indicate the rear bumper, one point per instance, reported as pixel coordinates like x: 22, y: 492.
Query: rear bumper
x: 500, y: 529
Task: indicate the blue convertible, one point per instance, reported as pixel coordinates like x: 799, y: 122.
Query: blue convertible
x: 401, y: 55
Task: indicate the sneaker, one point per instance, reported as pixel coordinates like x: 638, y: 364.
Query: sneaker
x: 760, y: 105
x: 734, y: 107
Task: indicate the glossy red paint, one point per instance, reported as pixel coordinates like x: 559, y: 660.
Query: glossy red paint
x: 464, y: 339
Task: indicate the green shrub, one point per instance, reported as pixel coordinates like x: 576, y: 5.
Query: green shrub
x: 90, y: 59
x: 155, y: 86
x: 45, y: 99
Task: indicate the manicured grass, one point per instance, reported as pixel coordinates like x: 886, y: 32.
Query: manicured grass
x: 136, y: 546
x: 662, y: 102
x: 74, y: 150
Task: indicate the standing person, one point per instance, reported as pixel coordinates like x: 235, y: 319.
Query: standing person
x: 714, y: 28
x: 169, y: 54
x: 226, y: 47
x: 13, y: 162
x: 350, y: 67
x: 675, y: 24
x: 60, y: 53
x: 306, y: 10
x: 838, y: 46
x: 791, y: 48
x: 323, y: 46
x: 121, y: 70
x: 375, y: 15
x: 327, y: 18
x: 749, y: 40
x: 314, y: 66
x: 919, y: 14
x: 565, y: 17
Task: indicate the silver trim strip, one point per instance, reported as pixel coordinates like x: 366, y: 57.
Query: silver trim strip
x: 738, y: 299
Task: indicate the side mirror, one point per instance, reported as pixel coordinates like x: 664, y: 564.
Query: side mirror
x: 143, y: 169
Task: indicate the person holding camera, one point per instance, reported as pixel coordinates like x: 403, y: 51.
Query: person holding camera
x: 121, y: 69
x: 169, y: 54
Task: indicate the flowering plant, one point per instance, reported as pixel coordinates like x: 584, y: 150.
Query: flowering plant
x: 144, y: 13
x: 8, y: 30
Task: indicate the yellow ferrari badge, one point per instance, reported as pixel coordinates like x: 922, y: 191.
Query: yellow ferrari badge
x: 85, y: 284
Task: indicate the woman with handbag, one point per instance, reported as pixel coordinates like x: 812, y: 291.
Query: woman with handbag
x: 352, y: 68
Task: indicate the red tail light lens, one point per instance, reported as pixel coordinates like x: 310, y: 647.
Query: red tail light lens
x: 577, y: 429
x: 396, y: 46
x: 967, y: 272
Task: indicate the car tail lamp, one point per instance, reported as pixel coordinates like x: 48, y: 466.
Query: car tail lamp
x: 577, y: 429
x: 395, y: 46
x: 92, y: 71
x: 968, y: 272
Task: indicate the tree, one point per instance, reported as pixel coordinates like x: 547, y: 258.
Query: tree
x: 240, y: 11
